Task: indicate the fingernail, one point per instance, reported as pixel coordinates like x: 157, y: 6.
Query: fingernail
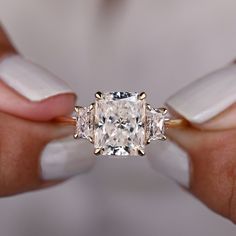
x: 171, y: 161
x: 205, y: 98
x: 64, y: 158
x: 30, y: 80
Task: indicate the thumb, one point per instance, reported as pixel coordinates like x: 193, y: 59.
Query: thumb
x: 36, y: 90
x: 209, y: 104
x: 29, y: 92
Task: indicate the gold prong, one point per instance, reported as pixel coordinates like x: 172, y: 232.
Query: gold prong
x: 142, y: 96
x: 91, y: 106
x: 162, y: 110
x: 90, y: 139
x: 149, y: 107
x: 148, y: 141
x: 162, y: 138
x: 141, y: 152
x: 98, y: 95
x: 76, y: 109
x: 97, y: 151
x: 76, y: 136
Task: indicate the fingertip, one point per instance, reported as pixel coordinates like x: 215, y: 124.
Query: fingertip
x: 59, y: 105
x: 223, y: 121
x: 32, y: 92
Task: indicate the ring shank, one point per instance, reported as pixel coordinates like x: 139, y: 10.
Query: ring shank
x: 65, y: 121
x: 176, y: 123
x: 170, y: 123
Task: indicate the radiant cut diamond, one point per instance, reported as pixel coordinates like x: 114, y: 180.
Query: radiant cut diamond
x: 155, y: 124
x: 119, y: 124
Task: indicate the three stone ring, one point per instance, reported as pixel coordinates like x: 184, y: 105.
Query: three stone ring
x: 120, y: 123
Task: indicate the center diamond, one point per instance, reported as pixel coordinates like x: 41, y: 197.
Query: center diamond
x: 120, y: 124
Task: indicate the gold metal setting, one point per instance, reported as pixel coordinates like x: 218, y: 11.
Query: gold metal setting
x: 163, y: 138
x: 91, y: 107
x: 142, y: 95
x: 176, y: 123
x: 149, y: 107
x: 98, y: 95
x: 141, y: 152
x: 148, y: 141
x: 162, y: 110
x: 97, y: 151
x: 76, y: 109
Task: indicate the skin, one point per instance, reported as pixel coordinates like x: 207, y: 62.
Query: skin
x: 25, y: 129
x: 21, y: 144
x: 211, y: 146
x: 212, y: 154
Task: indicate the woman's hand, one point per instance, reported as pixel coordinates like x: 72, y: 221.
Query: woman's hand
x: 209, y: 144
x: 34, y: 152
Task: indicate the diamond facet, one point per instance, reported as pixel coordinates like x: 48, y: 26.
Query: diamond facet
x: 155, y: 124
x: 119, y: 124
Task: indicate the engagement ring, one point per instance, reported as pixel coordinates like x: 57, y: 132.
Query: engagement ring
x: 121, y: 123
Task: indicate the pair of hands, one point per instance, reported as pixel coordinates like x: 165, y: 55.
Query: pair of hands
x: 27, y: 134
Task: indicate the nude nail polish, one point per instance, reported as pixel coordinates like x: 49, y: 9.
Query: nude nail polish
x: 30, y: 80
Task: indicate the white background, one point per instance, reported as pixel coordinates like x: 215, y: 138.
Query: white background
x: 153, y: 45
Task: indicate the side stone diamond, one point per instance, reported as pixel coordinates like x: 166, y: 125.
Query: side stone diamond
x: 155, y: 124
x: 84, y: 122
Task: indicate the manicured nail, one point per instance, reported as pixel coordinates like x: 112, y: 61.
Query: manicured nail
x: 30, y: 80
x: 171, y: 161
x: 198, y: 102
x: 205, y: 98
x: 64, y: 158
